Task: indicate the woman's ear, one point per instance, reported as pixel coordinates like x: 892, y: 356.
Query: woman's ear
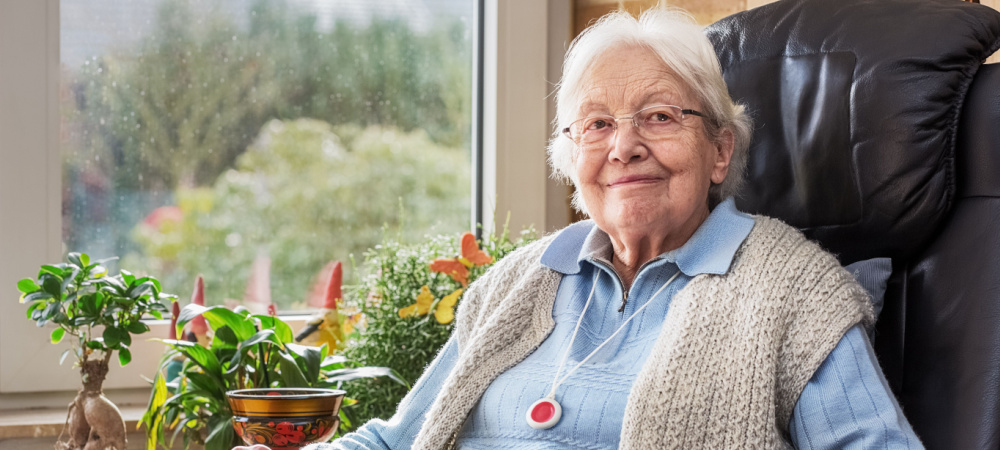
x: 723, y: 155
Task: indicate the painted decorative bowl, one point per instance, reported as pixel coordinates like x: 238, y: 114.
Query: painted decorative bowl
x: 285, y: 418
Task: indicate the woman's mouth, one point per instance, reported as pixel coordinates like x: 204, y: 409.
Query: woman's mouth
x: 631, y: 180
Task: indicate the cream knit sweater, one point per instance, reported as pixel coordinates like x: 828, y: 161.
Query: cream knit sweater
x: 734, y: 353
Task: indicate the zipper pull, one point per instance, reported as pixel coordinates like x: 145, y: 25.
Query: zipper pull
x: 624, y: 301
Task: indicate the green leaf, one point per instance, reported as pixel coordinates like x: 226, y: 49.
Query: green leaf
x: 236, y: 361
x: 200, y: 355
x: 88, y: 304
x: 124, y: 356
x: 224, y: 338
x: 137, y: 327
x: 221, y: 435
x: 98, y: 271
x: 65, y: 353
x: 151, y: 419
x: 57, y: 335
x: 51, y: 270
x: 206, y: 383
x: 74, y: 258
x: 157, y: 314
x: 260, y: 336
x: 96, y: 344
x: 114, y: 337
x: 309, y: 358
x: 27, y: 286
x: 364, y: 372
x: 281, y: 329
x: 127, y: 277
x: 53, y: 285
x: 138, y: 290
x: 49, y: 312
x: 33, y: 308
x: 99, y: 301
x: 290, y: 372
x: 116, y: 286
x: 217, y: 316
x: 37, y: 295
x: 84, y: 259
x: 333, y: 360
x: 68, y: 281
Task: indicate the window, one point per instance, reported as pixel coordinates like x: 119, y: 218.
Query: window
x: 252, y: 142
x: 39, y: 204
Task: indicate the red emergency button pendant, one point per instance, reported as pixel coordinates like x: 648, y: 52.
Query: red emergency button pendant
x: 544, y: 414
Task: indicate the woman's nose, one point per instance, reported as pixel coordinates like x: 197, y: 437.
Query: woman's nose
x: 627, y: 146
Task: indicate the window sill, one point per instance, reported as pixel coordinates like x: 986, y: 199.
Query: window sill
x: 36, y: 423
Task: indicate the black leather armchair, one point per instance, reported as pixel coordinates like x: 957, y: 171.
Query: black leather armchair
x: 878, y: 134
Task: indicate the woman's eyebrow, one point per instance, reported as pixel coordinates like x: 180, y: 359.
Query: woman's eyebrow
x: 659, y: 98
x: 590, y: 107
x: 654, y: 98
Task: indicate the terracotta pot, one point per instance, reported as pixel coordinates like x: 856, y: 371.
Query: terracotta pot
x: 285, y: 418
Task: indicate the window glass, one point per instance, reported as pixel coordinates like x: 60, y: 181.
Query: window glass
x: 253, y: 142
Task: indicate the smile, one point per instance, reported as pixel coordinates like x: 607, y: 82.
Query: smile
x: 633, y: 180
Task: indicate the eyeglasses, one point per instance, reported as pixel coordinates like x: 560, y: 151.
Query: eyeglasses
x: 654, y: 122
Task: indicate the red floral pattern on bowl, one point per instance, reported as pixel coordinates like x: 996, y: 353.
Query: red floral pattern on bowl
x: 285, y: 419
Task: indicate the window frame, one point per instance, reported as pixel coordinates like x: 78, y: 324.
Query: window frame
x: 521, y: 46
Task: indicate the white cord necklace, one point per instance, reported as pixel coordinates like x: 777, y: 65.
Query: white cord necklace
x: 546, y: 412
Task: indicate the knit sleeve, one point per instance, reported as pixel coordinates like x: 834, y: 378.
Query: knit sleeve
x: 824, y: 303
x: 487, y: 288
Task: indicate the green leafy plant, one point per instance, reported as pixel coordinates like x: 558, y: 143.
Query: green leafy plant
x: 397, y: 275
x: 101, y: 313
x: 246, y: 351
x: 294, y: 194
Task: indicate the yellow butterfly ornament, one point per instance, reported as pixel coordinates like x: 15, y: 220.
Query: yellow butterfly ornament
x: 444, y: 311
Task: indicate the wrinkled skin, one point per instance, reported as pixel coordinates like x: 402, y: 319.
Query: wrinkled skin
x: 648, y: 195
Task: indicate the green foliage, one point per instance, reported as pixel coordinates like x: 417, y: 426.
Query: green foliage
x: 166, y: 120
x: 306, y: 193
x: 182, y: 106
x: 81, y: 298
x: 246, y: 351
x: 396, y: 273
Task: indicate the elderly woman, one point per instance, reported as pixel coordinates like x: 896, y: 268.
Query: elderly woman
x: 669, y: 320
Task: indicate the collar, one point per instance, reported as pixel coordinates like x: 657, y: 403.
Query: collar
x: 709, y: 250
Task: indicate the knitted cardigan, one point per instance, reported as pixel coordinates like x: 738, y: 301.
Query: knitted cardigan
x: 732, y: 357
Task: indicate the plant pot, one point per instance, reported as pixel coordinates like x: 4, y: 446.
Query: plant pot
x: 285, y: 418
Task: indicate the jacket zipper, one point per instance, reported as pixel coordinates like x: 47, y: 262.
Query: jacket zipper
x: 621, y: 284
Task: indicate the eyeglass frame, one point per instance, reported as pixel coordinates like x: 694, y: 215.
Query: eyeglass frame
x: 684, y: 112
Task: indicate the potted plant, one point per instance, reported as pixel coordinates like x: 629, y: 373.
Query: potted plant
x: 245, y: 351
x: 408, y: 300
x: 100, y: 313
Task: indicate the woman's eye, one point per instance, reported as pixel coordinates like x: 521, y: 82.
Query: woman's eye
x: 598, y: 124
x: 660, y: 117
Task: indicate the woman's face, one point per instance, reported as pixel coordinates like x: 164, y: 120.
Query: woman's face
x: 641, y: 187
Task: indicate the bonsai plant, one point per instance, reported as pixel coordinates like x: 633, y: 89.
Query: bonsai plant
x: 245, y: 351
x: 100, y: 313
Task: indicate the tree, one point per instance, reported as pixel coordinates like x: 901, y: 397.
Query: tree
x: 305, y: 193
x: 159, y: 123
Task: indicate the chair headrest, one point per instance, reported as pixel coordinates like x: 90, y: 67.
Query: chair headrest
x: 856, y: 105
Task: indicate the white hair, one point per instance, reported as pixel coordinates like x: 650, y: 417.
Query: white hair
x: 674, y: 37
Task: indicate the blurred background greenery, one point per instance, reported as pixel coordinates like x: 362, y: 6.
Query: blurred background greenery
x: 235, y: 130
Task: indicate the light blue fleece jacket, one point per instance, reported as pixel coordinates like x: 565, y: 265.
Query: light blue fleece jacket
x: 847, y: 404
